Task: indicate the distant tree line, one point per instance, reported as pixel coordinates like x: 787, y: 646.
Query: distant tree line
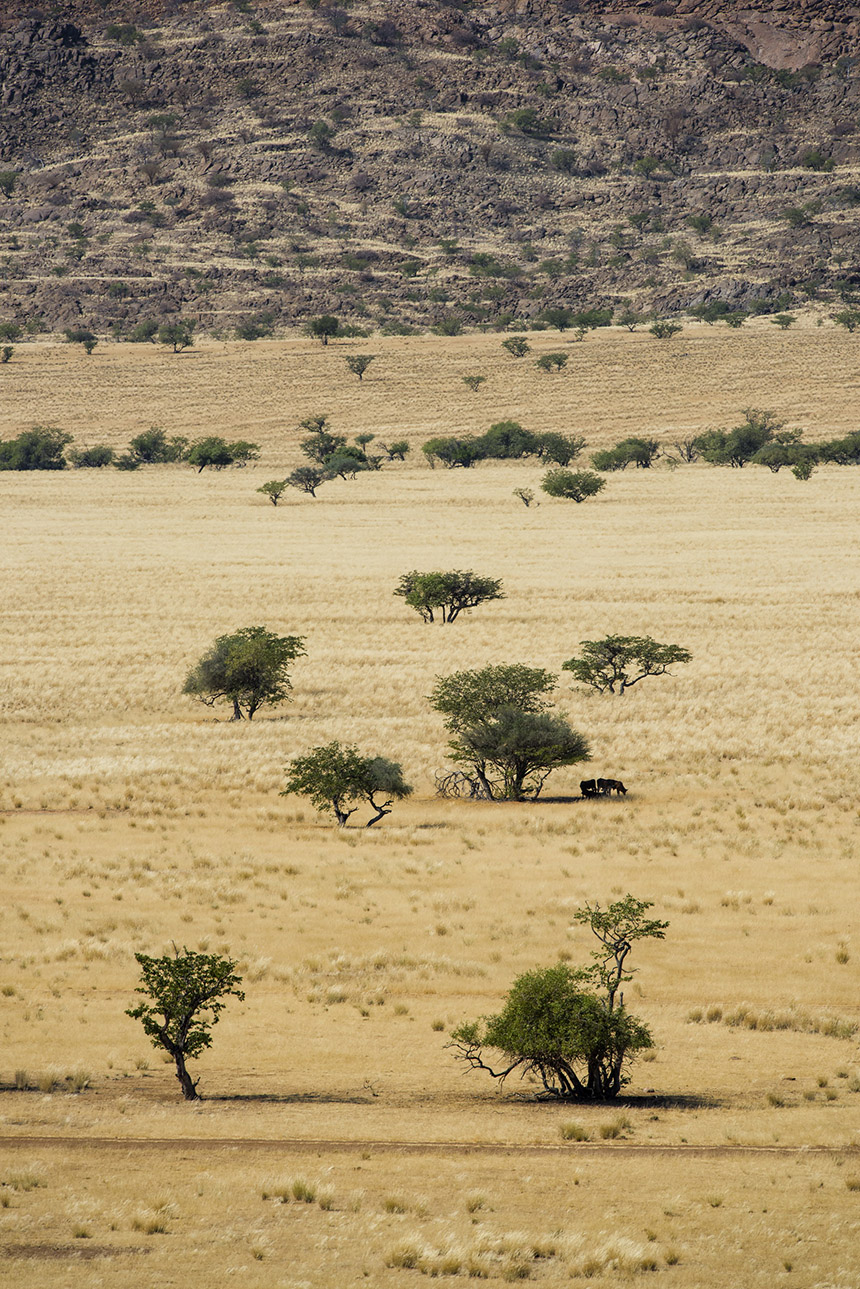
x: 44, y: 448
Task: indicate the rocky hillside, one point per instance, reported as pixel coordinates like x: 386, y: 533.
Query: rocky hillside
x: 420, y: 162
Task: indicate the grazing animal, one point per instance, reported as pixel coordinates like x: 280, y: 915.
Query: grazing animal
x: 606, y: 787
x: 588, y: 788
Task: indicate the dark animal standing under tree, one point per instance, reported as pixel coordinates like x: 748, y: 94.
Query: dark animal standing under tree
x: 588, y: 787
x: 605, y: 787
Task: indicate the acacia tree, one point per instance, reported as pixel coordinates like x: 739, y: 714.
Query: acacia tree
x: 333, y: 776
x: 359, y: 363
x: 306, y: 479
x: 572, y: 485
x: 503, y: 729
x: 247, y: 669
x: 179, y: 335
x: 184, y: 992
x: 517, y: 346
x: 617, y: 662
x: 274, y: 490
x: 567, y: 1025
x: 452, y: 592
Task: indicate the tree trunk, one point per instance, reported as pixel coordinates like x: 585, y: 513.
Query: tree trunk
x: 189, y: 1087
x: 237, y: 711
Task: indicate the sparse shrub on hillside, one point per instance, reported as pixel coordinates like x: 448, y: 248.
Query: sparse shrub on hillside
x: 10, y: 331
x: 41, y: 448
x: 257, y: 327
x: 569, y: 1026
x: 525, y: 495
x: 558, y: 317
x: 452, y: 325
x: 6, y: 353
x: 183, y: 995
x: 474, y: 383
x: 8, y: 180
x: 552, y: 362
x: 247, y: 669
x: 616, y: 663
x: 335, y: 775
x: 450, y: 592
x: 572, y: 485
x: 563, y: 160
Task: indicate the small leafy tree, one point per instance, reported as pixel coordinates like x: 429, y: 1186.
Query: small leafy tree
x: 451, y: 592
x: 6, y: 353
x: 848, y: 318
x: 572, y: 485
x: 784, y: 321
x: 552, y: 361
x: 94, y: 458
x: 503, y: 729
x: 517, y: 346
x: 217, y: 453
x: 618, y: 662
x: 664, y: 329
x: 306, y: 478
x: 178, y: 335
x: 152, y: 446
x: 740, y: 445
x: 247, y: 668
x: 633, y: 451
x: 324, y: 328
x: 335, y: 775
x: 359, y: 363
x: 42, y: 448
x: 396, y: 451
x: 453, y: 451
x: 513, y: 752
x: 474, y: 383
x: 274, y: 490
x: 320, y: 443
x: 184, y: 995
x: 81, y: 336
x: 526, y: 496
x: 568, y: 1025
x: 561, y: 449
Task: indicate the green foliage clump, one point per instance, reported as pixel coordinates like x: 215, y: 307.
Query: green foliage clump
x: 42, y: 448
x: 567, y: 1025
x: 94, y: 458
x: 517, y: 346
x: 503, y: 730
x: 273, y: 490
x: 152, y: 447
x: 218, y: 453
x: 616, y: 663
x: 335, y: 775
x: 552, y: 361
x: 632, y: 451
x: 449, y: 592
x: 184, y: 993
x: 572, y: 485
x: 178, y: 335
x: 740, y: 445
x: 247, y: 668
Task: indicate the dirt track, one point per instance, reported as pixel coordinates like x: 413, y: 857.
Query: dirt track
x: 339, y: 1146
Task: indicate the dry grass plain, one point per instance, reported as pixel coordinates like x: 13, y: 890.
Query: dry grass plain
x: 131, y: 818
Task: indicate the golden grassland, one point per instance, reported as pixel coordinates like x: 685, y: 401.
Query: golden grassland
x: 132, y: 817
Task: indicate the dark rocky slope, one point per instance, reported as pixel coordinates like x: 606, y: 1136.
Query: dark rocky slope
x: 273, y: 161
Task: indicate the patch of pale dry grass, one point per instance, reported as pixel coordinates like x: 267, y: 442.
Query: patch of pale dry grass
x: 131, y: 818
